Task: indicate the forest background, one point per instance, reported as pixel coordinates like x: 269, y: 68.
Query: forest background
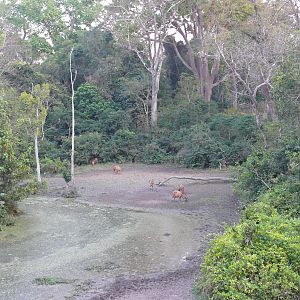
x: 203, y: 84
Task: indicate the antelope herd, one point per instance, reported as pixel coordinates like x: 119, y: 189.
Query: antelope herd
x: 177, y: 194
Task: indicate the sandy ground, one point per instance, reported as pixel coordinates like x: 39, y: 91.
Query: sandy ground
x: 119, y: 239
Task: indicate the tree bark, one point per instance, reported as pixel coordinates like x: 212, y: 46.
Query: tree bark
x: 258, y: 120
x: 270, y: 109
x: 234, y: 92
x: 200, y: 68
x: 72, y: 79
x: 155, y: 89
x: 204, y: 69
x: 73, y: 142
x: 37, y: 159
x: 36, y: 147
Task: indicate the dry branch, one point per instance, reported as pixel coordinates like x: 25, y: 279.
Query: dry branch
x: 205, y: 180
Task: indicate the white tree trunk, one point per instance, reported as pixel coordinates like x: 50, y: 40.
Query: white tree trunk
x: 73, y: 142
x: 37, y: 159
x: 36, y: 150
x: 155, y: 89
x: 155, y: 74
x: 73, y: 121
x: 234, y: 92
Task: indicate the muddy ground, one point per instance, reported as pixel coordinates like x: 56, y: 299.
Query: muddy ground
x: 118, y: 240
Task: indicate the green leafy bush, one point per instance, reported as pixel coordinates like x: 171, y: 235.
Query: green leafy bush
x: 87, y: 146
x: 285, y: 197
x: 14, y: 169
x: 123, y: 146
x: 260, y: 257
x: 153, y: 154
x: 233, y: 126
x: 89, y: 109
x: 113, y: 120
x: 294, y: 163
x: 49, y: 150
x: 267, y: 167
x: 200, y: 148
x: 67, y: 175
x: 184, y: 114
x: 173, y: 141
x: 52, y: 166
x: 5, y: 218
x: 89, y: 103
x: 257, y: 259
x: 236, y: 133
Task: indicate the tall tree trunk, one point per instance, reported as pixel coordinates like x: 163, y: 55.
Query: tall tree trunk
x: 204, y: 66
x: 72, y: 79
x: 145, y: 103
x: 155, y: 89
x: 73, y: 142
x: 36, y: 149
x: 258, y: 120
x: 208, y: 90
x: 205, y: 75
x: 155, y: 74
x: 269, y: 104
x: 234, y: 92
x: 146, y: 112
x: 146, y: 121
x: 37, y: 159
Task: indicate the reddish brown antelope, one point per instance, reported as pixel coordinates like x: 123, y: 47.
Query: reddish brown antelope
x: 117, y: 169
x: 94, y: 161
x: 179, y: 195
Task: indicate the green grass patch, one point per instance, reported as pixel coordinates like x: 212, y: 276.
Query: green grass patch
x: 52, y: 280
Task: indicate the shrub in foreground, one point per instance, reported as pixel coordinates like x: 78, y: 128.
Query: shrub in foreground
x: 266, y: 168
x: 285, y: 197
x: 257, y: 259
x: 5, y: 218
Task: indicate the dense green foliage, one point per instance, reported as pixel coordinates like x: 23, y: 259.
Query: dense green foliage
x: 52, y: 166
x: 265, y: 168
x: 257, y: 259
x: 14, y: 167
x: 260, y: 257
x: 228, y: 97
x: 285, y: 197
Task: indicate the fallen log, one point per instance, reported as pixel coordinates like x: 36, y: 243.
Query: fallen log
x: 205, y: 180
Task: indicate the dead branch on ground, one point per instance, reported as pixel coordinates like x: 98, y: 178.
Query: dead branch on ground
x: 204, y: 180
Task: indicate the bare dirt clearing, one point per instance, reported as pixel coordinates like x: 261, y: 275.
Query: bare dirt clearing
x: 118, y: 240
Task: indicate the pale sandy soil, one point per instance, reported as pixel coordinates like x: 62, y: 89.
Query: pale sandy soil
x: 118, y: 240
